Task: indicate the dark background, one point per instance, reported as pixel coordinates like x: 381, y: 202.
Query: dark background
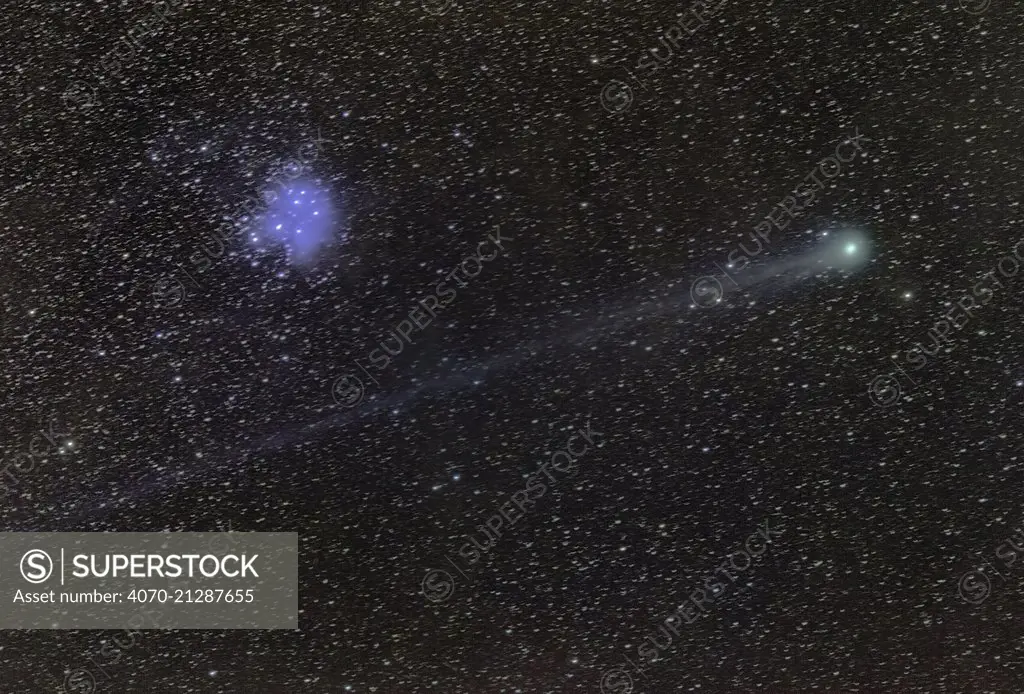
x: 439, y: 128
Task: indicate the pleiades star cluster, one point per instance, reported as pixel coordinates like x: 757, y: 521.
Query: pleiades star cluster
x: 300, y: 221
x: 588, y: 347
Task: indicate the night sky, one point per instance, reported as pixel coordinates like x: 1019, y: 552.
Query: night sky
x: 570, y: 313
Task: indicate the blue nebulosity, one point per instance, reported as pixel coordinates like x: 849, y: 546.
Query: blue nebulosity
x: 300, y: 220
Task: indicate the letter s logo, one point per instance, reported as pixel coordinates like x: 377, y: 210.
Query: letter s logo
x: 39, y: 564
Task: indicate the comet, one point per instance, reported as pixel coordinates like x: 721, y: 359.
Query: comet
x: 844, y: 250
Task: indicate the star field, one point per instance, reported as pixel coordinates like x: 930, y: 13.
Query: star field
x: 759, y: 263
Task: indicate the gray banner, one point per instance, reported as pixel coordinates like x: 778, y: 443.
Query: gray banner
x: 149, y: 580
